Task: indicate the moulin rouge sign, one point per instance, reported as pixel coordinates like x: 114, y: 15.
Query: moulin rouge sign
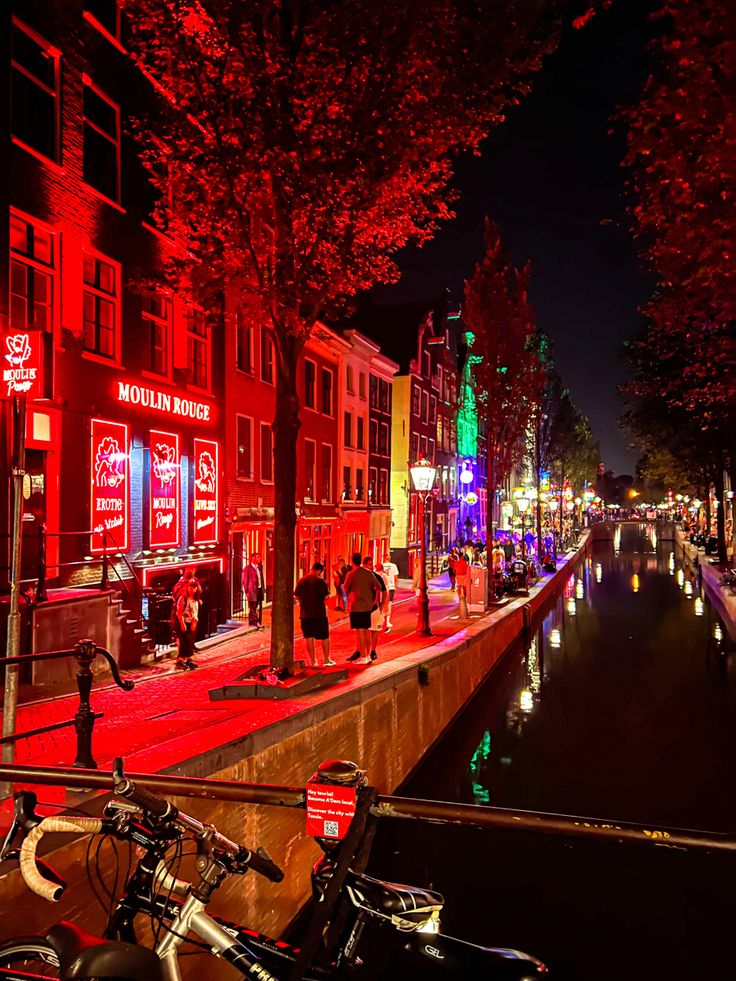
x: 110, y: 486
x: 153, y: 398
x: 165, y: 490
x: 21, y: 365
x: 205, y: 493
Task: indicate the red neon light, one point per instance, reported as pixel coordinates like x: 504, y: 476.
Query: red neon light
x: 149, y: 571
x: 164, y: 490
x: 110, y: 482
x: 160, y: 401
x: 205, y: 496
x: 22, y: 358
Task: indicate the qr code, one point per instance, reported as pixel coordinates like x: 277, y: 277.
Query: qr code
x: 331, y: 829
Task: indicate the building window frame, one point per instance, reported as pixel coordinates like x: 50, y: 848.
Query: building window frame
x: 347, y: 425
x: 244, y: 344
x: 99, y: 296
x: 246, y: 473
x: 327, y: 405
x: 266, y: 474
x: 360, y: 433
x: 382, y: 485
x: 416, y: 400
x: 34, y: 269
x: 326, y: 473
x: 350, y: 379
x: 114, y: 141
x: 152, y: 321
x: 373, y: 485
x: 360, y: 488
x: 373, y: 436
x: 361, y: 385
x: 199, y: 341
x: 268, y: 357
x: 114, y: 36
x: 310, y: 498
x: 54, y: 92
x: 310, y: 386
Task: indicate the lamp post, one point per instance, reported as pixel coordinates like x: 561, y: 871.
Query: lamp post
x: 523, y: 504
x: 553, y: 505
x: 422, y: 477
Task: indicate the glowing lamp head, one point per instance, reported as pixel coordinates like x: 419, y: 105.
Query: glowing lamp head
x: 553, y: 505
x: 523, y: 504
x: 423, y: 476
x: 466, y: 476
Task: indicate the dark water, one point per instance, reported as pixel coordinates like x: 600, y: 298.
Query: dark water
x: 623, y: 706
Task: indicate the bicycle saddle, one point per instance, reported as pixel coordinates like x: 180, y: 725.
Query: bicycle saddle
x: 406, y: 906
x: 82, y: 956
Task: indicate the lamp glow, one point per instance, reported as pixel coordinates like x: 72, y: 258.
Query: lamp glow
x: 423, y: 475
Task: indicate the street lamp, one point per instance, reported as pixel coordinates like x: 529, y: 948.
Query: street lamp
x: 523, y: 504
x: 422, y: 477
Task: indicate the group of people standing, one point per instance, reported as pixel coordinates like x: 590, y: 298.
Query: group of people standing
x: 366, y: 591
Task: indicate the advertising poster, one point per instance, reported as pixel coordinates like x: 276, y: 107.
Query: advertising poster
x: 110, y: 478
x: 165, y: 490
x: 205, y: 530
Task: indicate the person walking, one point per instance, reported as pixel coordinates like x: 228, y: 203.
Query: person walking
x: 361, y: 587
x: 391, y: 571
x: 312, y: 591
x: 187, y: 615
x: 253, y: 589
x: 180, y: 589
x: 377, y: 613
x: 339, y: 572
x: 451, y: 563
x: 461, y: 575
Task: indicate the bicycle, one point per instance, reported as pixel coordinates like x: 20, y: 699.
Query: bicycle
x: 352, y: 925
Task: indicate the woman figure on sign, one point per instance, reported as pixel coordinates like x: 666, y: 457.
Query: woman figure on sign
x: 187, y: 614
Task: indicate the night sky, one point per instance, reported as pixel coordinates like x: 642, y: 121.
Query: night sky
x: 548, y: 176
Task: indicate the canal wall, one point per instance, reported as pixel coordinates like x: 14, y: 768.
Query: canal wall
x: 386, y: 724
x: 724, y: 600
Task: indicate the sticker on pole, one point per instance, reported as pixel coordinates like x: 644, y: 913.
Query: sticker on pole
x: 329, y: 810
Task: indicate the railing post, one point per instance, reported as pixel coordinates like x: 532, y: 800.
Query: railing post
x: 84, y: 720
x: 41, y: 594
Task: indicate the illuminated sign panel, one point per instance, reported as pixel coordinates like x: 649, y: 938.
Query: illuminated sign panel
x: 153, y: 398
x: 110, y: 479
x: 22, y: 357
x: 165, y: 489
x: 205, y: 494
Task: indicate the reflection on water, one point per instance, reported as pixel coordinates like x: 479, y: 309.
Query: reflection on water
x: 626, y: 616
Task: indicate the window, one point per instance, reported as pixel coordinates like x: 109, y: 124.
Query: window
x: 425, y: 407
x: 453, y: 436
x: 383, y: 396
x: 198, y: 348
x: 360, y: 433
x: 383, y: 439
x: 427, y: 362
x: 346, y: 485
x: 372, y: 485
x: 310, y: 453
x: 423, y: 448
x: 100, y: 306
x: 101, y: 165
x: 383, y: 486
x: 34, y: 106
x: 359, y: 489
x: 433, y: 410
x: 373, y: 436
x: 361, y: 384
x: 416, y: 400
x: 243, y: 343
x: 245, y: 447
x: 430, y: 450
x: 348, y: 428
x: 266, y: 453
x: 326, y: 484
x: 310, y: 384
x: 440, y: 432
x: 373, y: 392
x: 31, y: 275
x: 106, y: 14
x: 350, y: 382
x: 326, y: 391
x: 157, y: 321
x: 439, y: 381
x: 266, y: 357
x: 413, y: 448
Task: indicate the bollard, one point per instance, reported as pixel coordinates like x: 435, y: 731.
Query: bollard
x: 84, y: 720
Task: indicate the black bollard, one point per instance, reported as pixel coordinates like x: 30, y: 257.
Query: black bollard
x: 84, y: 721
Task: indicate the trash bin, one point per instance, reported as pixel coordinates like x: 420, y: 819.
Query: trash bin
x: 477, y: 589
x: 160, y: 606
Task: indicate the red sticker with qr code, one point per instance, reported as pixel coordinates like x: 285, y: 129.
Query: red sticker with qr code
x: 329, y: 810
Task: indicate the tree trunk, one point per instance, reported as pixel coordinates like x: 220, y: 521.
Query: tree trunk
x: 538, y: 475
x: 720, y: 513
x: 490, y: 497
x: 286, y: 425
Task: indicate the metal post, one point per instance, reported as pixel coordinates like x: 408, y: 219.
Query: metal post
x: 523, y: 543
x: 423, y: 598
x: 105, y: 583
x: 10, y: 702
x: 41, y: 594
x: 84, y: 720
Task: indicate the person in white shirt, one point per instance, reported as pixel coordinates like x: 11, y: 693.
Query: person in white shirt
x: 391, y: 572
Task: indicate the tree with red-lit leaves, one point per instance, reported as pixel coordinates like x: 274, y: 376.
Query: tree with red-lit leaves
x: 681, y: 138
x: 300, y: 145
x: 508, y: 372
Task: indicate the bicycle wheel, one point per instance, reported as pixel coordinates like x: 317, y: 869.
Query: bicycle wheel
x: 33, y: 957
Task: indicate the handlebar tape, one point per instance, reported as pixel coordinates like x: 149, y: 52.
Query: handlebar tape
x: 261, y: 863
x: 51, y: 891
x: 164, y: 882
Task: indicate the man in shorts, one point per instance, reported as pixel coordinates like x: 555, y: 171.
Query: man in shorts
x: 362, y: 590
x: 391, y: 571
x: 381, y: 601
x: 312, y: 591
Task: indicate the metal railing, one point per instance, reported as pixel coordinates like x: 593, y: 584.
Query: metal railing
x: 84, y: 720
x: 388, y: 806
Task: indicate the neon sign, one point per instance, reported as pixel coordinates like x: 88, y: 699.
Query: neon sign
x: 153, y: 398
x: 22, y: 359
x: 110, y: 483
x: 205, y: 494
x: 165, y: 490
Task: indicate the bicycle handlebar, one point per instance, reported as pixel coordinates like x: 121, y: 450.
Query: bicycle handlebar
x: 32, y: 869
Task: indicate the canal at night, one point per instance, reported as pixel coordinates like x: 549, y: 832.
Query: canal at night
x: 621, y: 706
